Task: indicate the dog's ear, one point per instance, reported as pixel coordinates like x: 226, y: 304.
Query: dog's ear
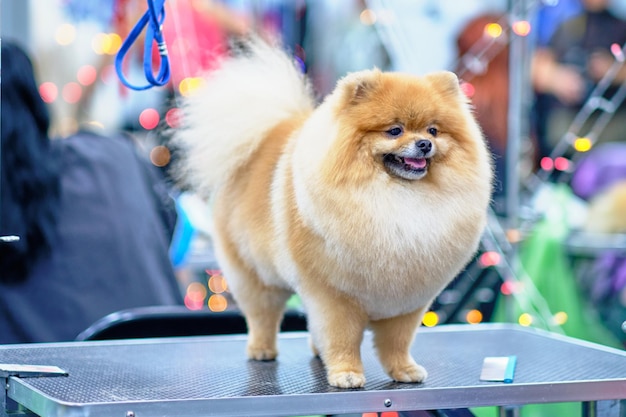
x: 445, y: 81
x: 358, y: 86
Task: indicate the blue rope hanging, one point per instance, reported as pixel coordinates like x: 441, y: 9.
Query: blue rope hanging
x: 152, y: 20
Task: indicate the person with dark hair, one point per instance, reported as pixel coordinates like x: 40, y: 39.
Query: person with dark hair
x: 94, y: 221
x: 565, y: 71
x: 488, y: 77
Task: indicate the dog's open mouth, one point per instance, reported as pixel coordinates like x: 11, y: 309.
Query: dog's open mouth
x: 408, y: 168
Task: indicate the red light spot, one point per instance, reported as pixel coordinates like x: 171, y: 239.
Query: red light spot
x: 468, y: 89
x: 389, y: 414
x: 72, y: 92
x: 546, y: 163
x: 173, y: 117
x: 562, y: 164
x: 489, y: 259
x: 149, y: 119
x: 48, y: 92
x: 87, y: 74
x: 507, y: 287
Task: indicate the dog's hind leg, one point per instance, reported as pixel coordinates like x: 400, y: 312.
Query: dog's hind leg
x: 393, y: 338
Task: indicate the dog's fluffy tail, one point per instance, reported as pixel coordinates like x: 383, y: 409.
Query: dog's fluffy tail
x: 224, y: 121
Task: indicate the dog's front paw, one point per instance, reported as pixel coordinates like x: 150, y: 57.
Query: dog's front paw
x: 261, y: 353
x: 346, y: 379
x: 411, y: 372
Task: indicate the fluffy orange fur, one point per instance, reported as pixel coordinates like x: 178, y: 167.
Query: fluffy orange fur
x: 367, y: 205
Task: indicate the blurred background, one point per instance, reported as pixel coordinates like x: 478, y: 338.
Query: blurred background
x: 546, y: 79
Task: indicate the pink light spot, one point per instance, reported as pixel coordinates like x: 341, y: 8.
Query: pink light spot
x: 72, y: 92
x: 48, y: 92
x: 87, y: 74
x: 149, y: 118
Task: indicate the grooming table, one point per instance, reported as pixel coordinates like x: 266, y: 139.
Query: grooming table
x: 210, y: 376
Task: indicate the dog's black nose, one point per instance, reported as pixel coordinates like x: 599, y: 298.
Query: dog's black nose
x: 424, y: 145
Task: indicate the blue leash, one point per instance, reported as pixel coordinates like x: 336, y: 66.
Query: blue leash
x: 152, y: 20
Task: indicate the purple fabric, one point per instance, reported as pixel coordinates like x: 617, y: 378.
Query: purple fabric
x: 602, y: 167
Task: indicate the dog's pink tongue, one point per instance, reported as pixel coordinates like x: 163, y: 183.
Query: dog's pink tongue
x: 415, y: 163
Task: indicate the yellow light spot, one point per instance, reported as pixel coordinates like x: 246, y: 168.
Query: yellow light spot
x: 113, y: 44
x: 525, y: 319
x: 474, y: 317
x: 493, y: 29
x: 582, y: 144
x: 217, y: 302
x: 99, y: 43
x: 217, y: 284
x: 190, y: 84
x: 65, y: 34
x: 560, y: 318
x: 368, y: 17
x: 430, y: 319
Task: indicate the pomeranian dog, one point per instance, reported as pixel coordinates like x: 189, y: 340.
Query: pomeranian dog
x: 367, y: 205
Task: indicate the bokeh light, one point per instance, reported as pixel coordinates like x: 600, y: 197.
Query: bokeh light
x: 367, y: 17
x: 430, y: 319
x: 106, y: 43
x: 217, y: 302
x: 468, y: 89
x: 525, y: 319
x: 546, y: 163
x: 72, y: 92
x: 149, y: 118
x: 474, y: 316
x: 617, y: 52
x: 99, y: 43
x: 160, y: 156
x: 114, y: 43
x: 493, y: 30
x: 560, y: 318
x: 87, y: 75
x: 217, y: 284
x: 488, y: 259
x: 582, y: 144
x: 561, y: 164
x: 173, y: 117
x: 65, y: 34
x: 190, y: 84
x: 521, y: 27
x: 509, y: 287
x: 195, y: 295
x: 48, y: 91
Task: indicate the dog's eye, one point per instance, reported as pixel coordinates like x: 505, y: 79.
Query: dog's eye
x: 395, y: 131
x: 432, y: 131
